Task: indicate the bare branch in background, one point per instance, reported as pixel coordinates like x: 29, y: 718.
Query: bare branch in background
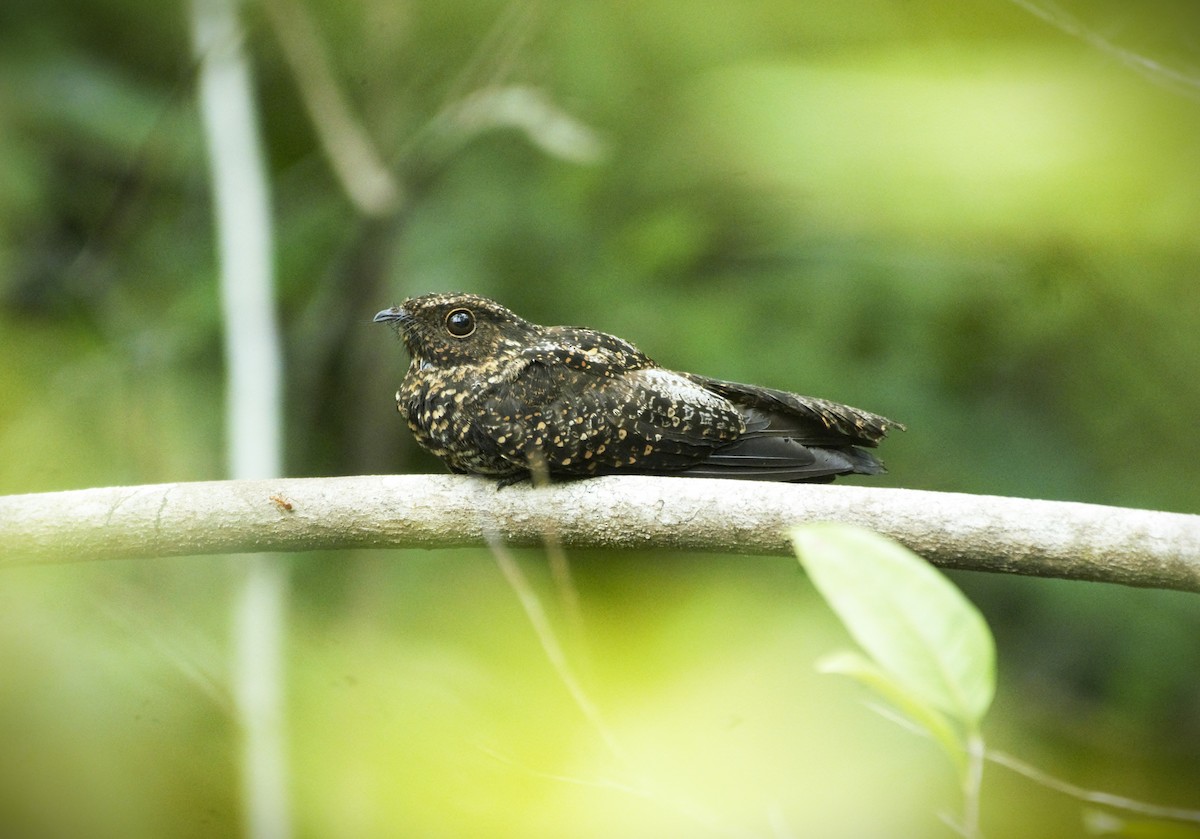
x: 362, y: 173
x: 526, y: 109
x: 253, y: 402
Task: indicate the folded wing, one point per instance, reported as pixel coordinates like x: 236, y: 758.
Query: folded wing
x: 595, y: 413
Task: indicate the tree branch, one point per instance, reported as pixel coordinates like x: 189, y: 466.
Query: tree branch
x: 977, y: 532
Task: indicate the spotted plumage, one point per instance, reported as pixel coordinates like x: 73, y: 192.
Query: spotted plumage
x: 493, y: 394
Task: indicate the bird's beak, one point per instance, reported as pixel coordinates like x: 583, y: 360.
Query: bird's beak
x: 390, y: 315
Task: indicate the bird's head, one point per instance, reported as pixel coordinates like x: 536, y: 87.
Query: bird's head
x: 449, y: 329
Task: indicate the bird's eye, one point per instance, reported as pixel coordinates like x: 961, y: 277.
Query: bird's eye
x: 460, y: 323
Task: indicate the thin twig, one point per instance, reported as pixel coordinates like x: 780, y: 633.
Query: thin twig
x: 493, y: 60
x: 560, y: 567
x: 1116, y: 802
x: 550, y: 645
x: 1106, y: 799
x: 1155, y: 71
x: 641, y: 787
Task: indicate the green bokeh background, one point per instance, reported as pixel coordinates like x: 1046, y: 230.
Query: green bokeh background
x: 956, y: 214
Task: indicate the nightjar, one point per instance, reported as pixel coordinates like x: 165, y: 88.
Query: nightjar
x: 493, y: 394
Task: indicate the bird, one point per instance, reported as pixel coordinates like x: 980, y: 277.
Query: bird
x: 492, y: 394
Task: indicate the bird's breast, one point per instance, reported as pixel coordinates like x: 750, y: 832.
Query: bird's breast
x: 440, y: 402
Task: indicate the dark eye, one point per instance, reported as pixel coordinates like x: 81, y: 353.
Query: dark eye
x: 460, y: 323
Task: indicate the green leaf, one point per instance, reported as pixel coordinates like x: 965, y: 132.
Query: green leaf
x: 921, y: 713
x: 908, y: 617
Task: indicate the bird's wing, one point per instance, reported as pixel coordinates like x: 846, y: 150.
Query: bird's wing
x: 776, y: 458
x: 589, y: 408
x: 806, y: 419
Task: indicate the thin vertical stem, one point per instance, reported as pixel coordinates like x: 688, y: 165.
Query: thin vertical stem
x: 242, y: 216
x: 551, y: 646
x: 973, y: 785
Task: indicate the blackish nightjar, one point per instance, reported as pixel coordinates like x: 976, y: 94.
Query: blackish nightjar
x: 493, y: 394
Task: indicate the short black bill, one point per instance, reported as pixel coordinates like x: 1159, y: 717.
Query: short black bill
x: 388, y: 315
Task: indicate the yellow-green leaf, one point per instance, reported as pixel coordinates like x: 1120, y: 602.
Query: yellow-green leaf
x: 915, y: 624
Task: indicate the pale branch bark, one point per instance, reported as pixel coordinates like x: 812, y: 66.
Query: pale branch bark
x: 982, y: 533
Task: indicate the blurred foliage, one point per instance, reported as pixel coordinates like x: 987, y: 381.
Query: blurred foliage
x: 959, y: 215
